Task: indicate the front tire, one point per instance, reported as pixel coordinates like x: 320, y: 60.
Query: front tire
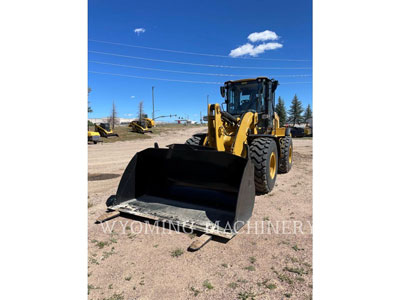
x: 264, y: 155
x: 286, y: 159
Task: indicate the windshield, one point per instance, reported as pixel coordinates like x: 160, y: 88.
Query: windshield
x: 106, y: 126
x: 244, y: 96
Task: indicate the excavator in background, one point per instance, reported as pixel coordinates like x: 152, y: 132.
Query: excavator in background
x: 104, y: 130
x: 209, y: 183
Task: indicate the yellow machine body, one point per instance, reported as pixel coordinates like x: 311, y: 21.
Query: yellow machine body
x: 307, y: 131
x: 249, y: 128
x: 93, y: 134
x: 226, y: 136
x: 230, y: 137
x: 150, y: 122
x: 104, y: 130
x: 142, y: 126
x: 94, y: 137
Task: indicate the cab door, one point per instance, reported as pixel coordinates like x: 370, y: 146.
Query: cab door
x: 266, y: 110
x: 270, y: 105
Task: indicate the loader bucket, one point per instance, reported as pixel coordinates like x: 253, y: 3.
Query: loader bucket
x: 190, y: 186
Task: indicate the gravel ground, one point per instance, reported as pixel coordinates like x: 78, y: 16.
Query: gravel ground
x: 274, y: 264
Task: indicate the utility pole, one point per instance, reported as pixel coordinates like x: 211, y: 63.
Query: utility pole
x: 207, y: 101
x: 201, y: 118
x: 152, y: 95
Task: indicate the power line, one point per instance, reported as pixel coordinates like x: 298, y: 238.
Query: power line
x: 298, y: 82
x: 193, y: 73
x: 177, y: 80
x: 195, y: 53
x: 154, y: 78
x: 196, y: 64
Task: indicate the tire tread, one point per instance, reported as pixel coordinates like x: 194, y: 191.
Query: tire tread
x: 259, y: 150
x: 284, y: 165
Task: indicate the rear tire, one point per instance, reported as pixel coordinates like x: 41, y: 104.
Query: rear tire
x: 196, y: 140
x: 264, y: 155
x: 286, y: 159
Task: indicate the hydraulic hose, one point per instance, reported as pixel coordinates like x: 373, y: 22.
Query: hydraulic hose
x: 227, y: 116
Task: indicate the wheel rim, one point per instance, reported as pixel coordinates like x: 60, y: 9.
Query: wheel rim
x: 272, y: 165
x: 290, y: 154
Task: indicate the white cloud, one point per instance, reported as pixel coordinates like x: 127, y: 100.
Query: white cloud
x: 254, y: 50
x: 138, y: 31
x: 128, y: 115
x: 132, y: 97
x: 249, y: 49
x: 263, y: 36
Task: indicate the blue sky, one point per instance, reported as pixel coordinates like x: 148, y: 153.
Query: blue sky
x: 207, y: 27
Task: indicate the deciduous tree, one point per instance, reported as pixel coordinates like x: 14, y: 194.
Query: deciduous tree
x: 141, y: 112
x: 113, y: 119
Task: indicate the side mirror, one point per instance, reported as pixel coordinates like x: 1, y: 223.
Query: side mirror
x: 222, y: 90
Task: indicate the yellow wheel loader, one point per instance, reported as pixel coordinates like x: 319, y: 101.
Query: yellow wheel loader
x: 250, y: 128
x: 209, y: 183
x: 104, y: 130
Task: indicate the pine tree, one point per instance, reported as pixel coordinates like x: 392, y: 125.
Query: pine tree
x: 280, y: 109
x: 295, y: 111
x: 308, y: 113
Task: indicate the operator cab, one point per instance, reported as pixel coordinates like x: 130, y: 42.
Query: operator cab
x: 257, y: 95
x: 106, y: 126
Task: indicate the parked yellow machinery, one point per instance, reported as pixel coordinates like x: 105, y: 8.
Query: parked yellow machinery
x: 142, y: 125
x: 250, y: 127
x: 308, y: 130
x: 94, y: 137
x: 104, y: 130
x: 209, y: 183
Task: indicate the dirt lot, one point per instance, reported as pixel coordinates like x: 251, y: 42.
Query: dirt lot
x: 274, y: 264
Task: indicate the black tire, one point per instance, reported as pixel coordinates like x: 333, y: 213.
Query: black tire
x: 196, y: 140
x: 286, y: 159
x: 111, y: 201
x: 261, y: 152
